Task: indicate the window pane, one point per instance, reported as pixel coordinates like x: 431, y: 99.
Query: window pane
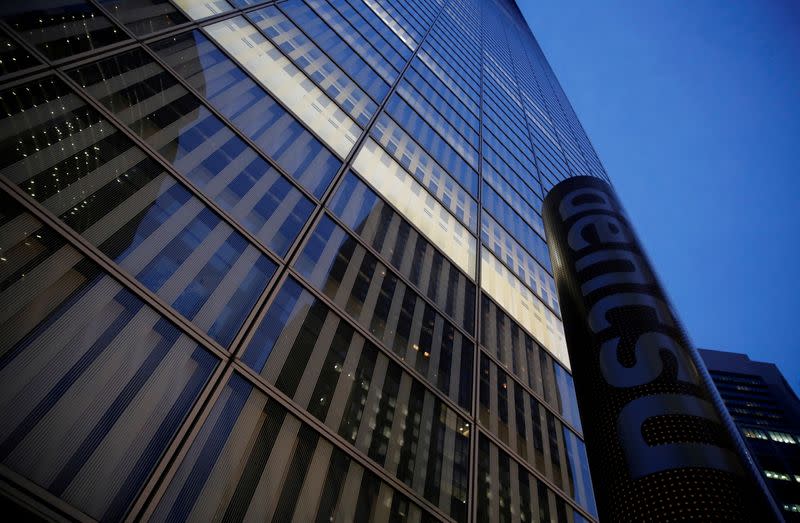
x: 515, y: 225
x: 423, y: 210
x: 198, y: 9
x: 255, y: 113
x: 253, y: 460
x: 567, y: 402
x: 580, y: 481
x: 172, y: 120
x: 287, y: 83
x: 82, y: 169
x: 499, y: 476
x: 406, y: 250
x: 527, y: 269
x: 343, y: 380
x: 516, y: 350
x: 374, y: 297
x: 336, y: 36
x: 13, y: 57
x: 523, y: 305
x: 325, y: 72
x: 451, y: 193
x: 62, y: 28
x: 145, y: 16
x: 95, y: 383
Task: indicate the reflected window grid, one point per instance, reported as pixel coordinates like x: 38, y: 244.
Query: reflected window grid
x: 441, y: 110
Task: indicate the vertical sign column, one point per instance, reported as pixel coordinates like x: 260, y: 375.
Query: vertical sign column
x: 659, y: 445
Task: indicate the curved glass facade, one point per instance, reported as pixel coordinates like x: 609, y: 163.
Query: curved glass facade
x: 283, y: 260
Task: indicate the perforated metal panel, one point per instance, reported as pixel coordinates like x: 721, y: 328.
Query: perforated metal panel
x: 660, y: 446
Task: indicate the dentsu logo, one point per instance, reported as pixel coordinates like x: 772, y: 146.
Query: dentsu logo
x: 646, y: 405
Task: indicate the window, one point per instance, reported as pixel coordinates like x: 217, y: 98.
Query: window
x: 86, y: 172
x: 345, y: 381
x: 777, y: 475
x: 83, y: 358
x: 250, y: 440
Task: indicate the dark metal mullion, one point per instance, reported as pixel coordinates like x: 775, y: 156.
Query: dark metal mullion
x: 569, y: 125
x: 530, y: 137
x: 444, y: 84
x: 455, y: 74
x: 44, y: 60
x: 413, y: 226
x: 499, y: 108
x: 188, y: 184
x: 545, y: 108
x: 22, y: 491
x: 533, y: 190
x: 278, y: 101
x: 405, y: 16
x: 476, y: 369
x: 27, y: 72
x: 455, y: 110
x: 114, y: 20
x: 290, y: 272
x: 462, y: 60
x: 502, y: 447
x: 472, y: 60
x: 311, y: 222
x: 378, y: 343
x: 437, y: 134
x: 510, y: 152
x: 18, y: 82
x: 374, y: 28
x: 523, y: 247
x: 301, y: 239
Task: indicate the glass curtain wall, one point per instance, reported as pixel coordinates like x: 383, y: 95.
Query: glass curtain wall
x: 283, y: 260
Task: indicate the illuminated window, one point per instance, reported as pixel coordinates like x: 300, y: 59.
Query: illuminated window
x: 755, y: 434
x: 777, y: 475
x: 791, y: 508
x: 782, y: 437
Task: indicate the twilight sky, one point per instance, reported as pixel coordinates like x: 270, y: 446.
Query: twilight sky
x: 694, y: 109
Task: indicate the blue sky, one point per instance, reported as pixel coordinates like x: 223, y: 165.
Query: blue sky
x: 694, y: 109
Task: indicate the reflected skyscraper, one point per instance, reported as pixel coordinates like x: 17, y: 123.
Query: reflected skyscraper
x: 284, y: 261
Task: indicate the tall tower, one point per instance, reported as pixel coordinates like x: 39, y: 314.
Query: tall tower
x: 767, y: 412
x: 283, y: 260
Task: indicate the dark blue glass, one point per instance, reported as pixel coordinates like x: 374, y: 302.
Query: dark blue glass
x: 199, y: 145
x: 518, y: 228
x: 81, y: 360
x: 426, y: 136
x: 104, y: 187
x: 345, y: 46
x: 251, y: 109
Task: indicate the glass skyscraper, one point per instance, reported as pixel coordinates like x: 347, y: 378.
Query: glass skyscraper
x: 283, y: 261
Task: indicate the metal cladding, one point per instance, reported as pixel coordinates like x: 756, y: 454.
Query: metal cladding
x: 660, y: 447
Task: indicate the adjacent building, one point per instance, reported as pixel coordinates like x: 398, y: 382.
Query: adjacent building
x: 283, y: 261
x: 767, y: 412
